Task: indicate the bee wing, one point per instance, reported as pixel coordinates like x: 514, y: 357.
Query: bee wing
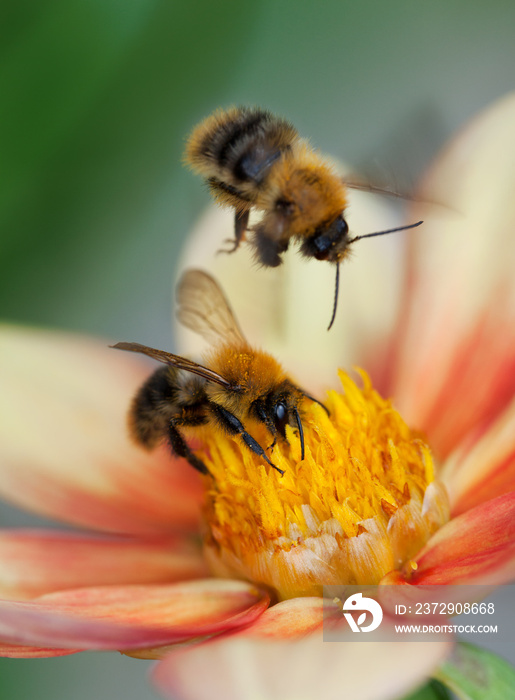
x: 175, y: 361
x: 355, y: 184
x: 368, y: 187
x: 203, y: 308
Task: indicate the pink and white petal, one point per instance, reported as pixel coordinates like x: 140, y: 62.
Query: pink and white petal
x: 242, y: 668
x: 477, y: 547
x: 33, y: 563
x: 296, y: 298
x: 289, y: 619
x: 16, y: 651
x: 483, y: 467
x: 64, y: 448
x: 455, y: 356
x: 131, y: 617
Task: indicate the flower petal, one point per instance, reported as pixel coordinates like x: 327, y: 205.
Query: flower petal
x: 455, y: 363
x: 483, y: 467
x: 125, y: 617
x: 241, y: 668
x: 476, y: 547
x: 64, y: 449
x: 288, y: 619
x: 36, y: 562
x: 15, y: 651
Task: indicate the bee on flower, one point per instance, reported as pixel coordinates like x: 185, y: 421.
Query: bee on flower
x: 408, y: 479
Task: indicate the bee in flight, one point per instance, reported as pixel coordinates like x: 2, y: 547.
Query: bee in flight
x: 236, y: 385
x: 254, y: 160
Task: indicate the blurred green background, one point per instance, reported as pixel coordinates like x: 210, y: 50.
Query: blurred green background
x: 97, y: 97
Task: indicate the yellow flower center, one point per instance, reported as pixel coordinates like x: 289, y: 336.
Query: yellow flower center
x: 362, y: 502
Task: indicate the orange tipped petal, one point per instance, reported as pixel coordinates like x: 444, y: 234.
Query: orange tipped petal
x: 288, y: 619
x: 64, y: 447
x: 484, y: 466
x: 131, y: 617
x: 241, y: 668
x: 36, y: 562
x: 476, y: 547
x: 15, y: 651
x: 455, y: 362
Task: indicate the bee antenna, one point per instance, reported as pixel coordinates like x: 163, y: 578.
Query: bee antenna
x: 336, y: 289
x: 312, y: 398
x: 382, y: 233
x: 301, y: 432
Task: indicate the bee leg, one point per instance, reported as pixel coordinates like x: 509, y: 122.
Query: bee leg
x: 232, y: 245
x: 262, y: 415
x: 180, y: 448
x: 271, y: 447
x: 269, y: 251
x: 241, y: 221
x: 228, y: 422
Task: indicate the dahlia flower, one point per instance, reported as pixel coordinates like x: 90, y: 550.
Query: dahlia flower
x: 415, y: 489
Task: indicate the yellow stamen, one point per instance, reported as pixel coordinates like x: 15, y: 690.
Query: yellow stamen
x: 361, y: 503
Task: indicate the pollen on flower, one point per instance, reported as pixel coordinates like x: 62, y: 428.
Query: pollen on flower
x: 362, y: 502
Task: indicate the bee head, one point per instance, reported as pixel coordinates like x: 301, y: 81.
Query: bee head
x: 328, y: 242
x: 279, y: 408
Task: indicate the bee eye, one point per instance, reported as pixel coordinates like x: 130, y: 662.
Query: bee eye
x: 281, y: 417
x: 321, y: 247
x: 341, y: 227
x: 328, y: 241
